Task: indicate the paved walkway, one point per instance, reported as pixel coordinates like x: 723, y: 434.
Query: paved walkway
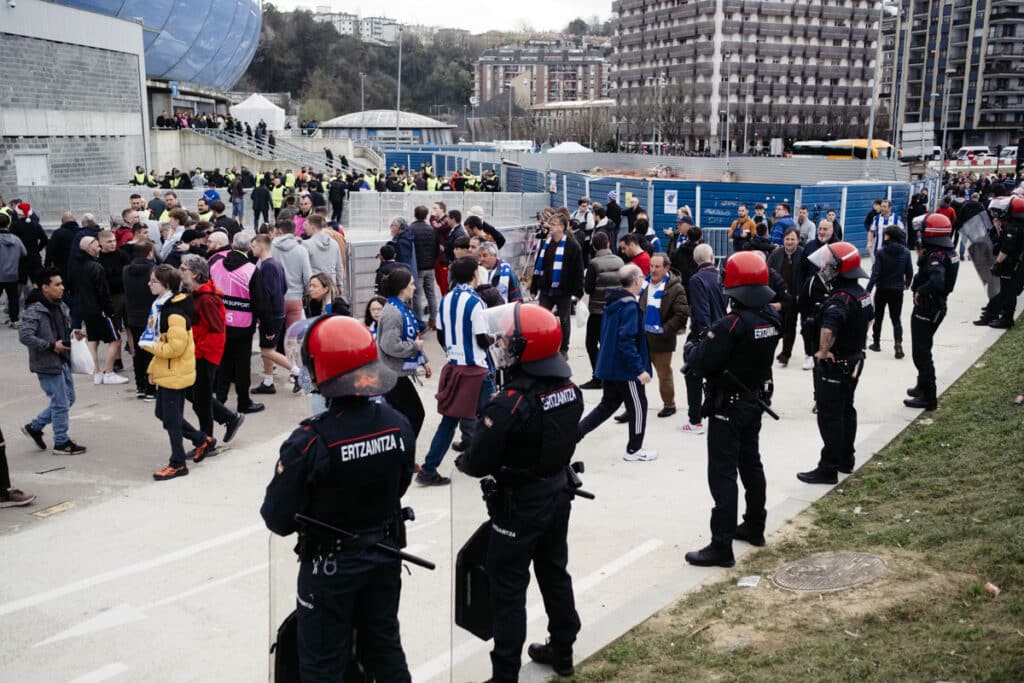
x: 140, y: 581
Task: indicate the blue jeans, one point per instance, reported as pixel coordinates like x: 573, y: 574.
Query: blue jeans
x: 238, y: 207
x: 446, y: 430
x: 60, y: 389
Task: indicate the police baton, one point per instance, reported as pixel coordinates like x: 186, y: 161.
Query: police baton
x: 341, y: 533
x: 757, y: 399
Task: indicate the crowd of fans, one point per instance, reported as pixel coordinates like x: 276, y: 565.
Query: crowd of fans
x: 185, y: 292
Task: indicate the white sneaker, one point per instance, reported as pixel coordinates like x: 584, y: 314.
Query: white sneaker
x: 642, y: 454
x: 689, y: 428
x: 114, y: 378
x: 97, y: 378
x: 808, y: 362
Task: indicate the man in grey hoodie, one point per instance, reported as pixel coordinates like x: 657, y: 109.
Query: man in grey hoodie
x: 11, y: 253
x: 324, y: 255
x: 295, y: 261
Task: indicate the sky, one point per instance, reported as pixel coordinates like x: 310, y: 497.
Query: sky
x: 477, y: 17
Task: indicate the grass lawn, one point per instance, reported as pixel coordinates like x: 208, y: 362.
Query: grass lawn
x: 943, y: 504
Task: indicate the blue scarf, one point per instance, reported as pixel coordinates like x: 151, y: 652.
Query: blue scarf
x: 652, y: 316
x: 556, y: 270
x: 410, y: 330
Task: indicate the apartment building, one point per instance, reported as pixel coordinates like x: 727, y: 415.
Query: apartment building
x: 559, y: 71
x: 776, y: 68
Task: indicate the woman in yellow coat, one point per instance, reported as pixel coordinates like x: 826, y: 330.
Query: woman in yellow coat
x: 173, y: 369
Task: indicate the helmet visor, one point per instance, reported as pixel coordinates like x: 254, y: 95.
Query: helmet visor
x: 503, y: 326
x: 295, y: 341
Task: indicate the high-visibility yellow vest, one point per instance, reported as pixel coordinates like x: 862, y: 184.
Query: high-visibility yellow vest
x: 175, y: 181
x: 277, y: 196
x: 289, y: 180
x: 371, y: 180
x: 165, y: 216
x: 140, y: 178
x: 432, y: 184
x: 208, y: 216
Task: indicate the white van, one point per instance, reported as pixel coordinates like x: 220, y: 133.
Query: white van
x: 975, y: 151
x: 1008, y: 153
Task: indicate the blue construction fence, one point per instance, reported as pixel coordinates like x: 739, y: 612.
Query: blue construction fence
x: 714, y: 204
x: 444, y: 164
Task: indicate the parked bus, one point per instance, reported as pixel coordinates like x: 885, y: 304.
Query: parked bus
x: 843, y: 149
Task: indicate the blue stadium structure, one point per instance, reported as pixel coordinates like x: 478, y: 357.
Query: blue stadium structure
x: 203, y: 42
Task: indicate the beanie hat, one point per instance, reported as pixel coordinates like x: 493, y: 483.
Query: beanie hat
x: 613, y: 196
x: 211, y: 196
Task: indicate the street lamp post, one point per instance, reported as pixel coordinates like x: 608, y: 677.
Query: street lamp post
x: 509, y: 86
x: 398, y: 92
x: 362, y: 102
x: 883, y: 5
x: 728, y: 79
x: 746, y: 120
x: 945, y: 120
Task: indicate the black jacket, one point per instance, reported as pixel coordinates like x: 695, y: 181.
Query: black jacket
x: 427, y: 244
x: 499, y: 239
x: 113, y: 267
x: 89, y: 285
x: 58, y: 251
x: 777, y: 258
x: 613, y: 212
x: 262, y: 307
x: 892, y: 267
x: 571, y: 280
x: 137, y: 297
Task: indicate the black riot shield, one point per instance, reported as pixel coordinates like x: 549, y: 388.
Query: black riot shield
x: 472, y: 592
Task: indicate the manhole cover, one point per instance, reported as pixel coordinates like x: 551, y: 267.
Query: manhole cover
x: 829, y: 572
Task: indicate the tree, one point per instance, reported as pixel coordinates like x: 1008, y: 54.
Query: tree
x: 577, y: 27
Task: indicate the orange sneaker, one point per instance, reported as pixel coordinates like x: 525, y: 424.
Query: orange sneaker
x: 205, y: 449
x: 170, y: 472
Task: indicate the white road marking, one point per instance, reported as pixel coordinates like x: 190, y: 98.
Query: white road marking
x: 128, y: 570
x: 467, y: 649
x: 102, y: 674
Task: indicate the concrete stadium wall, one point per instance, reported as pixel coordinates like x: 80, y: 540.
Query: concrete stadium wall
x: 174, y: 149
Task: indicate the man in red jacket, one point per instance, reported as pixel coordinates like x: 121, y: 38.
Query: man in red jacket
x: 208, y: 331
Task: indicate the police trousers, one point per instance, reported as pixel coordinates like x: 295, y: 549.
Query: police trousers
x: 342, y: 592
x: 533, y: 530
x: 923, y: 325
x: 837, y: 416
x: 734, y: 446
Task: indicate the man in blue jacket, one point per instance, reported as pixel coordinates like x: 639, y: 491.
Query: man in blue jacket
x: 783, y: 222
x: 405, y: 243
x: 623, y: 363
x: 892, y: 271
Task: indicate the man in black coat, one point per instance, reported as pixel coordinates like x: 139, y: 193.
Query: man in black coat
x: 558, y: 274
x: 58, y: 251
x: 427, y: 248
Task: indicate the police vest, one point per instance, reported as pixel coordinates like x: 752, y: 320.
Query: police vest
x: 371, y: 181
x: 428, y: 170
x: 277, y: 196
x: 165, y: 216
x: 948, y: 258
x: 140, y: 178
x: 175, y: 182
x: 235, y: 286
x: 860, y: 314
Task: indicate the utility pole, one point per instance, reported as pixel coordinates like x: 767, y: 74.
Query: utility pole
x: 728, y: 84
x: 509, y: 86
x: 362, y: 102
x: 398, y: 94
x: 945, y: 121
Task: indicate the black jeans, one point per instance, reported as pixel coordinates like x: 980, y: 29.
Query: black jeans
x: 344, y: 591
x: 405, y: 399
x: 236, y: 368
x: 837, y: 417
x: 613, y: 394
x: 336, y: 209
x: 789, y: 318
x: 923, y: 326
x: 11, y: 290
x: 563, y: 302
x: 258, y: 214
x: 5, y: 473
x: 593, y: 338
x: 140, y: 363
x: 535, y: 531
x: 694, y: 397
x: 170, y: 410
x: 734, y: 445
x: 206, y: 407
x: 893, y: 298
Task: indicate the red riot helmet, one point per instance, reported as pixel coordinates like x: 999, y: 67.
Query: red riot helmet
x: 1016, y: 208
x: 527, y: 335
x: 839, y: 259
x: 746, y: 279
x: 937, y: 231
x: 340, y: 355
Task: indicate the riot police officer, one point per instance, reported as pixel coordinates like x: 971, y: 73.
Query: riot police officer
x: 1009, y: 265
x: 735, y: 358
x: 937, y: 267
x: 348, y: 468
x: 524, y: 440
x: 844, y: 320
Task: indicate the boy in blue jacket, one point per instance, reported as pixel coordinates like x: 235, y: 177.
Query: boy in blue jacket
x: 623, y: 363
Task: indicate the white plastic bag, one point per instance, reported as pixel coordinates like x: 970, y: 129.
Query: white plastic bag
x: 81, y: 359
x: 582, y: 312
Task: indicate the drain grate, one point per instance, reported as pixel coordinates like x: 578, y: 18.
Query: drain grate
x: 829, y: 572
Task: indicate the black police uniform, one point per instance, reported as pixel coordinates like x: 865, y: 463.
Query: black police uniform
x: 848, y: 312
x: 349, y: 468
x: 1010, y: 272
x: 935, y: 278
x: 743, y: 342
x: 525, y: 438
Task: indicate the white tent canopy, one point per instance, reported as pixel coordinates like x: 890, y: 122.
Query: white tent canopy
x: 570, y: 148
x: 256, y: 107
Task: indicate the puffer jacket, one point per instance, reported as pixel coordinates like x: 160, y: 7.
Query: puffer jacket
x: 674, y: 310
x: 174, y: 353
x: 208, y: 322
x: 602, y: 274
x: 42, y: 325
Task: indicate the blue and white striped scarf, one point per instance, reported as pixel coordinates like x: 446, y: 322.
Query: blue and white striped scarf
x: 556, y: 271
x: 501, y: 277
x: 652, y: 316
x: 410, y: 332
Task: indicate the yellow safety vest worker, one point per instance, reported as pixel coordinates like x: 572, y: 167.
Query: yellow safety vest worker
x: 140, y: 178
x: 259, y: 178
x: 432, y: 184
x: 208, y: 216
x: 277, y: 196
x: 175, y: 182
x: 428, y: 170
x: 407, y: 185
x: 165, y: 216
x: 371, y: 180
x: 289, y: 180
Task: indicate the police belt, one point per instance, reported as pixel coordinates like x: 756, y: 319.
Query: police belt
x: 313, y: 545
x: 518, y: 488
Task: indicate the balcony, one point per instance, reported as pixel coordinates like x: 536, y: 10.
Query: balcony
x: 830, y: 12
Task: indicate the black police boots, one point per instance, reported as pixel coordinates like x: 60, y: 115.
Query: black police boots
x: 1001, y: 323
x: 749, y: 535
x: 544, y: 654
x: 818, y: 476
x: 914, y: 391
x: 921, y: 401
x: 985, y: 319
x: 711, y: 556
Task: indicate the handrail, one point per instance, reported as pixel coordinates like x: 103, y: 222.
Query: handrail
x: 261, y: 149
